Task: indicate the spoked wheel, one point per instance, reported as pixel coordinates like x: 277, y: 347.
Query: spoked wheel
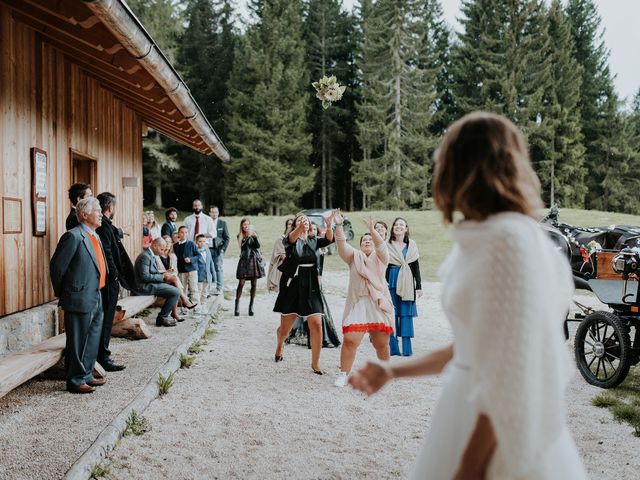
x: 603, y: 349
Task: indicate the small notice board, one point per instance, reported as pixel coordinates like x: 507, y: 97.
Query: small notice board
x: 39, y: 161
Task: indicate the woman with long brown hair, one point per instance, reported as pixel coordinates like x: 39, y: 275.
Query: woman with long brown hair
x: 506, y: 291
x: 403, y: 275
x: 249, y: 264
x: 299, y: 294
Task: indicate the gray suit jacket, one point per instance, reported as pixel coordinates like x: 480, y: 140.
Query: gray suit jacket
x: 74, y: 270
x: 148, y: 276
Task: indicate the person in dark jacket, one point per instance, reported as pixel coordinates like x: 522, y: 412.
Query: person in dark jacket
x: 249, y: 264
x: 219, y: 245
x: 110, y: 239
x: 78, y: 272
x: 187, y: 253
x: 169, y: 227
x: 77, y: 192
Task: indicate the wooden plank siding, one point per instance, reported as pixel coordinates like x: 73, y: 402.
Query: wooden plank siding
x: 48, y: 101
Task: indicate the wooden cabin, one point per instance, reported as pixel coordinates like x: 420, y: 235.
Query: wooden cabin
x: 80, y: 83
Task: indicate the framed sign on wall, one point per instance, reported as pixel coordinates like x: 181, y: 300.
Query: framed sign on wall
x: 39, y: 162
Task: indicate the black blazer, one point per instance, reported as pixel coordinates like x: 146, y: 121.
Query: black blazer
x: 167, y: 229
x: 72, y: 220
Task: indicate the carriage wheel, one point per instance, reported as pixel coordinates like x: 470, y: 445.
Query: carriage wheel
x: 603, y: 349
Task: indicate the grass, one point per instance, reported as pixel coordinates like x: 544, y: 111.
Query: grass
x: 195, y: 348
x: 209, y: 333
x: 136, y: 424
x: 100, y: 470
x: 624, y: 401
x: 186, y: 360
x: 426, y: 229
x: 164, y: 383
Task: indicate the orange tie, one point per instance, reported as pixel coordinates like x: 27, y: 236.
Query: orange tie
x: 97, y: 248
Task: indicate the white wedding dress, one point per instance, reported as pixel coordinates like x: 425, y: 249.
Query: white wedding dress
x: 506, y: 292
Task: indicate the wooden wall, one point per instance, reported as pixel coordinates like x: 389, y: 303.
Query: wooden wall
x: 48, y: 102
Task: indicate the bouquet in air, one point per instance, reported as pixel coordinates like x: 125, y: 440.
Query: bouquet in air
x: 328, y: 90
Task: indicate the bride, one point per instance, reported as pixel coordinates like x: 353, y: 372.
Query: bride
x: 506, y: 292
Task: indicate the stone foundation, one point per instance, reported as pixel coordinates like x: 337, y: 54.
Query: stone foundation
x: 22, y: 330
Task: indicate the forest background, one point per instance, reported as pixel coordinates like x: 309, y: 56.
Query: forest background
x: 542, y: 64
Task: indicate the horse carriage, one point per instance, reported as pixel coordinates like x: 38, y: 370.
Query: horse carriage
x: 605, y: 261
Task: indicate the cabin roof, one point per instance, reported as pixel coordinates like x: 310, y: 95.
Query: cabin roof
x: 109, y: 43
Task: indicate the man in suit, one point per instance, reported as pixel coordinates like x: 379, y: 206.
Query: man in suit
x: 152, y: 282
x: 169, y: 227
x: 77, y: 192
x: 219, y: 245
x: 79, y: 271
x: 108, y: 234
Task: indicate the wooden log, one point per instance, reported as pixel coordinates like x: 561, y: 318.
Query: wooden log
x: 132, y: 305
x: 17, y: 368
x: 134, y: 328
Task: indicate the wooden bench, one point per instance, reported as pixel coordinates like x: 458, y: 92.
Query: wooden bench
x: 17, y: 368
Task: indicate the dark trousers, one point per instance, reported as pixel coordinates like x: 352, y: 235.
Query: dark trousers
x: 83, y: 338
x: 168, y: 292
x: 109, y: 303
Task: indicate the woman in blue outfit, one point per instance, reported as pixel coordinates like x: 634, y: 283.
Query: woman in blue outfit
x: 403, y: 275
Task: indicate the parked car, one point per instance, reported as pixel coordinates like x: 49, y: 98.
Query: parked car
x: 316, y: 215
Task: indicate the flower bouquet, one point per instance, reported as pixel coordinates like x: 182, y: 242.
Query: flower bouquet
x: 328, y: 90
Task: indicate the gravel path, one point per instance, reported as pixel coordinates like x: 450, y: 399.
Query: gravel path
x: 44, y: 429
x: 238, y: 415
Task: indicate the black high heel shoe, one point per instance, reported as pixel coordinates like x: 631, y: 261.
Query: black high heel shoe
x: 190, y: 307
x: 317, y: 372
x: 279, y: 358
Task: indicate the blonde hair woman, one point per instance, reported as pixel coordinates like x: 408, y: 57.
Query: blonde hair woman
x: 505, y: 290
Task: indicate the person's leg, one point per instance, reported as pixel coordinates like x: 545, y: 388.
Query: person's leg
x: 406, y: 347
x: 218, y: 262
x: 194, y: 292
x: 171, y: 295
x: 286, y: 322
x: 254, y: 284
x: 236, y: 310
x: 393, y: 340
x: 109, y: 303
x: 315, y: 337
x: 202, y: 289
x: 350, y: 343
x: 380, y: 342
x: 92, y: 342
x: 76, y: 327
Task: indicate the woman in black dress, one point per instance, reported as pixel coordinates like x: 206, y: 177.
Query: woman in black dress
x: 300, y: 332
x: 299, y: 294
x: 250, y: 263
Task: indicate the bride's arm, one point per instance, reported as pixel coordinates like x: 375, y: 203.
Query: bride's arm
x: 374, y: 376
x: 480, y: 448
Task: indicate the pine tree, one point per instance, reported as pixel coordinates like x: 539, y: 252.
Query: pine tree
x: 328, y: 35
x: 599, y: 107
x: 162, y: 20
x: 559, y: 140
x: 205, y: 58
x: 399, y: 66
x: 268, y: 100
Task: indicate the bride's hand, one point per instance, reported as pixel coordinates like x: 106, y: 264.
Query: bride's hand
x: 371, y: 378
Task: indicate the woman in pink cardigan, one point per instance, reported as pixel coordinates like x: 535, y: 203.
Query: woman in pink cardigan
x: 368, y: 307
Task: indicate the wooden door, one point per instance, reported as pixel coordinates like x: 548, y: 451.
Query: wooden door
x: 84, y: 169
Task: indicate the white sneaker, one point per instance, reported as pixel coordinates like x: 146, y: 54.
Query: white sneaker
x: 341, y: 380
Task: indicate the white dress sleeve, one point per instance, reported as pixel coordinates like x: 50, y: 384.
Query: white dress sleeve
x: 520, y: 294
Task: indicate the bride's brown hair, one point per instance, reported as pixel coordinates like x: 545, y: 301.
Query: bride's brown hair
x: 482, y: 167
